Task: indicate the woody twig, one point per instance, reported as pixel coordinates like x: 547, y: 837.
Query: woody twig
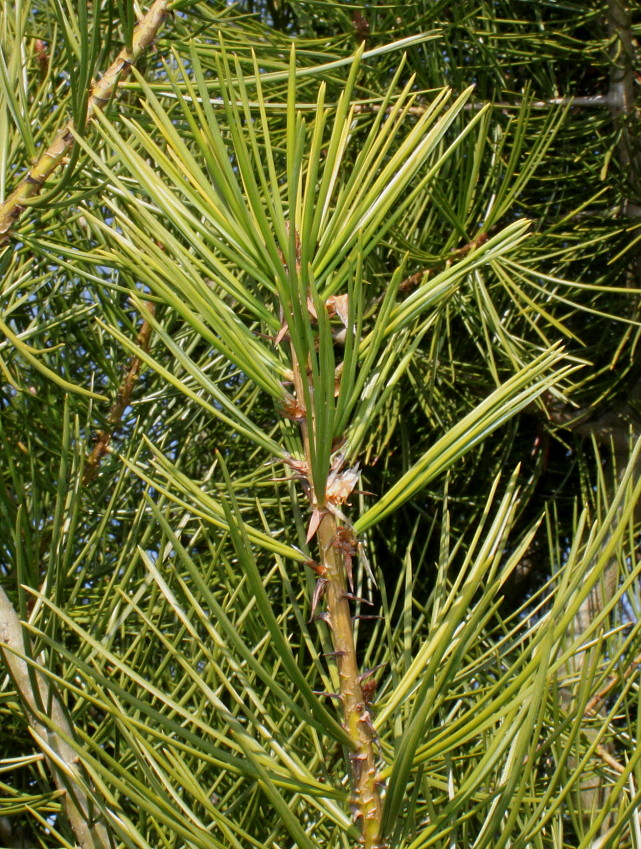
x: 52, y: 730
x: 48, y: 720
x: 123, y: 399
x: 102, y: 91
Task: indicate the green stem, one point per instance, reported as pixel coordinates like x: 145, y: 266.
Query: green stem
x: 367, y: 804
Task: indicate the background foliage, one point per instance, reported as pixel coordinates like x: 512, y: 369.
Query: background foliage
x: 487, y: 236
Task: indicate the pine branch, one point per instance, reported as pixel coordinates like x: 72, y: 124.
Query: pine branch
x: 90, y: 832
x: 598, y: 100
x: 357, y: 721
x: 38, y: 696
x: 334, y: 569
x: 621, y: 90
x: 123, y: 399
x: 36, y: 693
x: 101, y: 93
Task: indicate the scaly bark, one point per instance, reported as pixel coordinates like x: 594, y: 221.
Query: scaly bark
x: 362, y: 759
x: 613, y: 428
x: 618, y: 429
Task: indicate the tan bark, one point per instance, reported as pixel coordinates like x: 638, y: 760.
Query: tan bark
x: 53, y: 736
x: 101, y: 93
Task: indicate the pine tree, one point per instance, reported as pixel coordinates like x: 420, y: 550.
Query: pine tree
x: 320, y: 437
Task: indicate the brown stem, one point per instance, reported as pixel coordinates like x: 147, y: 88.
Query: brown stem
x: 596, y: 702
x: 119, y: 406
x: 410, y: 283
x: 357, y: 720
x: 101, y: 93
